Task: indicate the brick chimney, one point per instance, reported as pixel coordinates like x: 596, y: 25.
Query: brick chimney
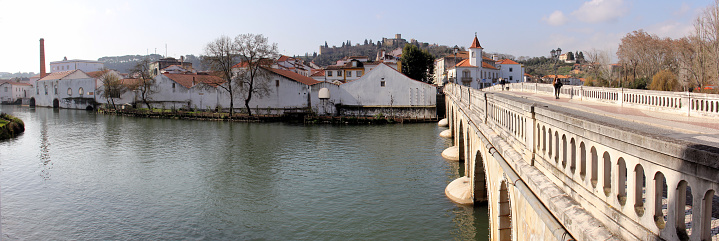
x: 42, y: 58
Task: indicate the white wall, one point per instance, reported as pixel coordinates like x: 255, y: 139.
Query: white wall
x: 58, y: 89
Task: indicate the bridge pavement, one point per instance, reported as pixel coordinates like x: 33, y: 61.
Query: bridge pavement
x: 696, y: 129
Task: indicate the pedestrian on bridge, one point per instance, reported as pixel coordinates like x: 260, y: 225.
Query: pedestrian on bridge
x: 557, y: 86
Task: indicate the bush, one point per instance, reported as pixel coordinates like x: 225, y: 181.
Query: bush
x: 10, y: 126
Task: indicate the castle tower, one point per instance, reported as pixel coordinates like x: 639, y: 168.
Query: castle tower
x: 475, y: 53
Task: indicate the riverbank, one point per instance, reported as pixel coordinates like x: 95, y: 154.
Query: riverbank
x: 294, y: 117
x: 10, y: 126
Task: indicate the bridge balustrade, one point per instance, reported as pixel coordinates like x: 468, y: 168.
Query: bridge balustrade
x: 632, y: 181
x: 686, y: 103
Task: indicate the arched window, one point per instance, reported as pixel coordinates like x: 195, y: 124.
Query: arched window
x: 69, y: 91
x: 80, y: 91
x: 640, y: 185
x: 622, y: 181
x: 607, y: 171
x: 582, y: 160
x: 595, y: 167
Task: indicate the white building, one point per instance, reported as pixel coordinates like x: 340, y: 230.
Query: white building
x: 11, y: 92
x: 382, y: 90
x: 84, y: 65
x: 479, y: 72
x: 72, y: 89
x: 511, y: 71
x: 287, y: 91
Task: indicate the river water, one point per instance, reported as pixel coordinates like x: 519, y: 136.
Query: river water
x: 77, y: 175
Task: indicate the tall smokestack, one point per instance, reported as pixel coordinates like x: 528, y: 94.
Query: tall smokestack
x: 42, y: 58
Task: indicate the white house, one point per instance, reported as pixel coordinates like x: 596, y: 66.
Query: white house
x: 381, y: 90
x: 287, y: 90
x: 478, y: 71
x: 72, y: 89
x: 12, y: 92
x: 75, y: 64
x: 511, y: 71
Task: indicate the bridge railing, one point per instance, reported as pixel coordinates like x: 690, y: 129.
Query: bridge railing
x: 634, y: 182
x: 686, y: 103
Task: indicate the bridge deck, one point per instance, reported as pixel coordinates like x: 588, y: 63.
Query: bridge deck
x: 694, y: 129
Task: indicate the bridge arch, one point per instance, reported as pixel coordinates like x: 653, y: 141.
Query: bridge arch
x: 480, y: 179
x: 505, y: 212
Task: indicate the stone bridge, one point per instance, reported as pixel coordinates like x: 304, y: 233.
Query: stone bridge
x: 596, y: 164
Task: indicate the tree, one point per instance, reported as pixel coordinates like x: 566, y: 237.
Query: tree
x: 417, y: 64
x: 664, y: 80
x: 146, y: 83
x: 570, y: 56
x: 247, y: 80
x: 326, y: 45
x: 112, y: 86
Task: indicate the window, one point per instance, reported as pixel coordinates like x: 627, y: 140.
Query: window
x: 277, y: 82
x: 510, y: 77
x: 359, y: 73
x: 80, y: 91
x: 381, y: 83
x: 5, y: 88
x: 329, y: 73
x: 45, y: 89
x: 339, y: 73
x: 69, y: 91
x: 173, y: 87
x: 354, y: 63
x: 56, y: 89
x: 37, y: 89
x: 510, y: 69
x: 349, y: 73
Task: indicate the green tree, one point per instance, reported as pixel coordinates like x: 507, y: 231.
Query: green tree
x: 570, y: 56
x: 417, y: 64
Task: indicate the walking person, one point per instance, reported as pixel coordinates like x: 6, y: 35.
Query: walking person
x: 557, y: 86
x: 502, y: 82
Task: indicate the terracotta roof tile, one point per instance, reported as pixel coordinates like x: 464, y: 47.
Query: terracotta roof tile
x: 487, y: 66
x: 506, y: 61
x: 294, y: 76
x: 58, y: 75
x: 464, y: 63
x: 190, y: 80
x: 14, y: 83
x: 317, y: 73
x: 475, y: 43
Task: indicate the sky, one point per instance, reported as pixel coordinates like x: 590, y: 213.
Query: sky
x: 79, y: 29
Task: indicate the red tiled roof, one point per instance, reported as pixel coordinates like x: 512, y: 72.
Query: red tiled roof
x: 95, y: 74
x: 464, y: 63
x: 283, y: 58
x: 475, y: 43
x: 294, y: 76
x: 58, y: 75
x: 190, y: 80
x: 318, y: 72
x: 14, y: 83
x: 506, y: 61
x: 487, y: 66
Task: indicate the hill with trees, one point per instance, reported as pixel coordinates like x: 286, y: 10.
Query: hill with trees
x: 124, y: 63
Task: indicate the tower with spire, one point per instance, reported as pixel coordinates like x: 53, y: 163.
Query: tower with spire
x: 475, y: 52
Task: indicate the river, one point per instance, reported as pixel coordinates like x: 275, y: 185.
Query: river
x: 77, y: 175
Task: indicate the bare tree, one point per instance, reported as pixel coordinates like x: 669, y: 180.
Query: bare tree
x: 146, y: 83
x: 112, y: 86
x: 219, y: 58
x: 249, y: 78
x: 256, y: 54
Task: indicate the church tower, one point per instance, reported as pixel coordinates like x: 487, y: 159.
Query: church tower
x: 475, y: 53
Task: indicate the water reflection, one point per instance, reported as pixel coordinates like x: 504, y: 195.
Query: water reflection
x: 45, y: 160
x: 154, y: 179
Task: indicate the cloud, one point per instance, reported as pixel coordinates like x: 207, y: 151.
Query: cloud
x: 682, y: 9
x: 671, y: 29
x: 600, y: 11
x: 557, y: 18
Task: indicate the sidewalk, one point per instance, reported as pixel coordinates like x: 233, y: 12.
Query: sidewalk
x: 704, y: 130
